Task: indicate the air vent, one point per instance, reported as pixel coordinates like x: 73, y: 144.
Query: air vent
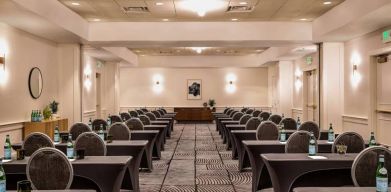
x: 240, y: 9
x: 136, y: 9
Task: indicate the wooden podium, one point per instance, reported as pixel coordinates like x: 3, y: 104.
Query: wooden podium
x: 45, y: 126
x: 195, y: 114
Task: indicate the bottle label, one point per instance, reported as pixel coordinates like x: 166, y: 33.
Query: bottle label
x: 102, y: 136
x: 381, y: 184
x: 283, y: 137
x: 311, y: 150
x: 383, y: 171
x: 331, y: 137
x: 56, y: 137
x: 2, y: 186
x: 70, y: 153
x: 7, y: 153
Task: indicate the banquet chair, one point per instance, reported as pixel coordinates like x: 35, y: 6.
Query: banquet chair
x: 237, y: 116
x: 267, y: 130
x: 140, y: 112
x: 144, y: 119
x: 264, y: 115
x: 157, y: 114
x: 365, y: 165
x: 133, y: 113
x: 249, y: 111
x: 310, y: 126
x: 77, y: 129
x: 115, y: 119
x: 49, y: 169
x: 35, y: 141
x: 289, y: 123
x: 92, y: 144
x: 134, y: 124
x: 275, y: 118
x: 354, y: 142
x: 151, y: 116
x: 119, y: 131
x: 256, y: 113
x: 145, y: 110
x: 298, y: 142
x: 243, y: 120
x: 97, y: 123
x: 244, y: 110
x: 125, y: 116
x: 253, y: 123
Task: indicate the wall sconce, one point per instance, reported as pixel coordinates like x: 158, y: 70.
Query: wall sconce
x: 230, y: 87
x: 354, y: 69
x: 298, y: 81
x: 3, y: 72
x: 87, y: 75
x: 2, y: 61
x: 158, y: 81
x: 356, y: 76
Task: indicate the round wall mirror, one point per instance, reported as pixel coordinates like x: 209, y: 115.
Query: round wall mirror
x: 35, y: 82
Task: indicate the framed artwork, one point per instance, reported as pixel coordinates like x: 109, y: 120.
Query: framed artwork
x: 194, y: 89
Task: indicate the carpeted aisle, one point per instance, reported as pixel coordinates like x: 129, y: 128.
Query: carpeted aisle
x: 195, y: 159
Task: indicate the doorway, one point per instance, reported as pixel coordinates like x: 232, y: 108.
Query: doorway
x: 98, y: 96
x: 310, y: 96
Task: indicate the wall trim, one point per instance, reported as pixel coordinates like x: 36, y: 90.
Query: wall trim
x: 171, y: 108
x: 355, y: 119
x: 6, y: 127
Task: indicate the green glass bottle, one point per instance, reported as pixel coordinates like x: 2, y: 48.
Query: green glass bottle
x: 282, y: 133
x: 298, y: 122
x: 56, y: 136
x: 372, y: 140
x: 101, y: 133
x: 108, y: 120
x: 90, y: 123
x: 381, y: 176
x: 312, y: 145
x: 331, y: 134
x: 70, y: 149
x: 2, y: 177
x: 7, y: 148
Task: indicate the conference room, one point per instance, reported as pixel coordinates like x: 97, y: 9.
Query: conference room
x: 195, y: 95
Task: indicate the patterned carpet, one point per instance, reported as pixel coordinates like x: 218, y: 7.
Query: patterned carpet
x: 195, y: 159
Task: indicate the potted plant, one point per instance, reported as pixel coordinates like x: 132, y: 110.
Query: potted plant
x: 47, y: 113
x: 54, y: 106
x: 212, y: 104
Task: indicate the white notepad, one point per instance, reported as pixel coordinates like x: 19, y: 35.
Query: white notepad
x: 317, y: 157
x: 283, y: 142
x: 6, y: 160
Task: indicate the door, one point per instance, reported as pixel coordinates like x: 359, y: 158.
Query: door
x: 98, y: 96
x: 310, y: 94
x: 383, y: 104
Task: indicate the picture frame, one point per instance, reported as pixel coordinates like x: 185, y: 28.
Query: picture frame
x: 194, y: 89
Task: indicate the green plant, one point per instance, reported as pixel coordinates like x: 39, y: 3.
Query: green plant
x: 212, y: 102
x: 54, y: 106
x: 47, y: 112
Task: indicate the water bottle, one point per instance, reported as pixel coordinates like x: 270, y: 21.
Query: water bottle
x: 372, y: 140
x: 312, y: 145
x: 108, y: 120
x: 381, y: 176
x: 331, y: 135
x: 101, y: 133
x: 70, y: 149
x: 282, y: 134
x: 56, y: 134
x: 2, y: 178
x: 298, y: 122
x: 90, y: 123
x: 7, y: 148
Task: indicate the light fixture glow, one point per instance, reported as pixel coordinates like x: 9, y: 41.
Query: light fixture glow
x: 158, y: 83
x: 165, y: 19
x: 159, y: 3
x: 327, y: 2
x: 243, y: 3
x: 198, y: 49
x: 87, y: 80
x: 303, y: 19
x: 75, y: 3
x: 355, y: 60
x: 234, y: 19
x: 96, y: 19
x: 201, y: 7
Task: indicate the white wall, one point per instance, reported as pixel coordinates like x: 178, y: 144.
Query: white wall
x: 23, y: 52
x: 136, y: 85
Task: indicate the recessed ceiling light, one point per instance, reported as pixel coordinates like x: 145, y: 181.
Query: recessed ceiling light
x: 259, y: 50
x: 303, y: 19
x: 243, y: 3
x: 159, y: 3
x: 234, y: 19
x: 96, y: 19
x: 75, y: 3
x: 165, y: 19
x: 201, y: 7
x: 142, y: 55
x: 137, y: 51
x: 327, y: 2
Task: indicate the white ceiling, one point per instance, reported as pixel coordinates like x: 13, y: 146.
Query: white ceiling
x: 191, y: 51
x: 173, y: 10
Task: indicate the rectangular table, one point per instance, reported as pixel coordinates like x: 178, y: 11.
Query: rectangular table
x: 108, y: 172
x: 118, y: 148
x: 335, y: 189
x: 285, y: 169
x: 150, y: 136
x: 254, y: 149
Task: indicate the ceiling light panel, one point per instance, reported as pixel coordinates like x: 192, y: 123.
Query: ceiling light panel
x: 194, y: 8
x: 167, y: 10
